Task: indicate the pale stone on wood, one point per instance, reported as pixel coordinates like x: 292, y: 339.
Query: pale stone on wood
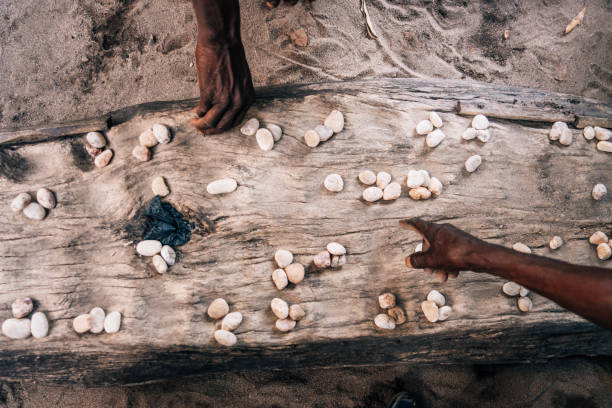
x: 322, y: 260
x: 276, y: 131
x: 480, y: 122
x: 335, y: 121
x: 96, y: 139
x: 424, y: 127
x: 168, y: 254
x: 231, y: 321
x: 472, y: 163
x: 598, y: 237
x: 16, y: 328
x: 279, y: 277
x: 97, y: 319
x: 159, y: 187
x: 295, y: 273
x: 22, y: 307
x: 511, y: 288
x: 324, y: 132
x: 46, y: 198
x: 367, y: 177
x: 20, y: 202
x: 280, y: 308
x: 265, y: 140
x: 225, y: 338
x: 312, y: 138
x: 397, y: 314
x: 103, y: 158
x: 335, y: 248
x: 435, y: 186
x: 588, y: 133
x: 436, y: 297
x: 604, y: 251
x: 147, y: 138
x: 296, y: 312
x: 469, y: 134
x: 39, y: 325
x: 599, y: 191
x: 382, y: 179
x: 524, y: 304
x: 386, y: 300
x: 444, y: 312
x: 112, y: 322
x: 148, y: 247
x: 250, y: 127
x: 218, y: 308
x: 35, y: 211
x: 372, y: 194
x: 140, y: 153
x: 82, y: 323
x: 161, y: 133
x: 392, y: 191
x: 285, y: 325
x: 520, y: 247
x: 434, y: 138
x: 384, y: 321
x: 555, y: 242
x: 283, y: 258
x: 435, y: 119
x: 431, y: 311
x: 334, y: 183
x: 160, y: 265
x: 604, y: 146
x: 222, y: 186
x: 601, y: 133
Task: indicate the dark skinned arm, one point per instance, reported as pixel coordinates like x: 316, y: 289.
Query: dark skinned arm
x: 224, y: 78
x: 584, y: 290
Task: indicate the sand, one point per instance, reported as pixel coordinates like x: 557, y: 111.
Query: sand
x: 63, y: 60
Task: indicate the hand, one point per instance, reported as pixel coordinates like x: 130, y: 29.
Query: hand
x: 226, y: 87
x: 446, y: 250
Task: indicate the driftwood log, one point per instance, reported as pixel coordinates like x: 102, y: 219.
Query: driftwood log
x: 82, y: 255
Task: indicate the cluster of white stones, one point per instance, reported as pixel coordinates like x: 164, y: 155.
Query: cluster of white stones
x: 561, y: 132
x: 288, y: 271
x: 159, y: 187
x: 599, y: 191
x: 604, y: 245
x: 332, y: 125
x: 514, y: 289
x: 97, y: 320
x: 163, y: 255
x: 157, y: 133
x: 602, y: 135
x: 265, y: 136
x: 435, y: 308
x: 393, y: 315
x: 96, y: 148
x: 422, y: 186
x: 426, y: 127
x: 334, y: 256
x: 20, y: 327
x: 287, y: 316
x: 385, y: 188
x: 479, y: 129
x: 34, y: 210
x: 219, y: 309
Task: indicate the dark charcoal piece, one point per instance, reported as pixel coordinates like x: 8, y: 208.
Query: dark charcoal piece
x: 166, y: 225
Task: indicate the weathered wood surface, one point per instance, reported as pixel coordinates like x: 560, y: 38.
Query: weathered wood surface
x: 81, y: 255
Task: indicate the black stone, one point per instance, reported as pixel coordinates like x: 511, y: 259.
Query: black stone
x: 166, y: 224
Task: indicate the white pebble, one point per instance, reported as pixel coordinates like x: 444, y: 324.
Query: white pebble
x: 223, y: 186
x: 103, y: 158
x: 598, y: 237
x: 435, y: 186
x: 22, y: 307
x: 566, y: 137
x: 46, y: 198
x: 555, y: 242
x: 285, y: 325
x: 159, y: 264
x: 295, y: 273
x: 279, y: 277
x: 426, y: 177
x: 588, y: 133
x: 280, y: 308
x: 265, y: 140
x: 112, y: 322
x: 168, y: 254
x: 431, y: 311
x: 437, y: 298
x: 424, y: 127
x: 469, y: 134
x: 599, y: 191
x: 372, y: 194
x: 419, y: 193
x: 39, y: 325
x: 556, y: 130
x: 312, y: 138
x: 140, y: 153
x: 604, y: 251
x: 97, y: 319
x: 16, y: 328
x: 296, y: 312
x: 225, y: 338
x: 367, y: 177
x: 322, y: 260
x: 338, y: 261
x: 149, y: 247
x: 96, y: 139
x: 419, y: 247
x: 483, y: 135
x: 276, y: 131
x: 161, y: 133
x: 334, y: 183
x: 34, y: 211
x: 335, y: 248
x: 480, y: 122
x: 250, y: 127
x: 386, y: 300
x: 524, y: 304
x: 283, y: 258
x: 159, y: 187
x: 435, y: 138
x: 231, y: 321
x: 416, y: 178
x: 520, y: 247
x: 82, y: 323
x: 382, y: 179
x: 335, y: 121
x: 218, y: 308
x: 392, y: 191
x: 147, y: 138
x: 604, y: 146
x: 384, y: 321
x: 444, y: 313
x: 473, y: 163
x: 435, y: 119
x: 524, y: 291
x: 324, y: 132
x: 20, y: 202
x: 602, y: 134
x: 511, y: 288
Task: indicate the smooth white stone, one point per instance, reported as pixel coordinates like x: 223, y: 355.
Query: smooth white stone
x: 524, y: 291
x: 556, y: 130
x: 225, y: 338
x: 483, y: 135
x: 555, y: 242
x: 436, y: 297
x: 16, y: 328
x: 97, y: 319
x: 285, y: 325
x: 511, y: 288
x: 20, y: 202
x: 148, y: 247
x: 566, y: 137
x: 386, y: 300
x: 141, y: 153
x: 599, y: 191
x: 419, y: 193
x: 103, y: 158
x: 324, y: 132
x: 250, y: 127
x: 295, y: 273
x: 601, y: 133
x: 283, y: 258
x: 112, y: 322
x: 426, y: 177
x: 424, y: 127
x: 418, y: 248
x: 96, y: 139
x: 218, y: 308
x: 39, y: 325
x: 338, y: 261
x: 604, y: 251
x: 296, y: 312
x: 382, y: 179
x: 520, y: 247
x: 161, y: 133
x: 280, y: 308
x: 335, y: 121
x: 415, y: 179
x: 265, y: 140
x: 147, y: 138
x: 444, y: 312
x: 588, y: 133
x: 279, y: 277
x: 34, y: 211
x: 277, y: 132
x: 469, y: 134
x: 524, y: 304
x: 367, y: 177
x: 334, y: 183
x: 384, y: 321
x: 604, y: 146
x: 372, y: 194
x: 168, y: 254
x: 159, y: 264
x: 231, y: 321
x: 392, y: 191
x: 435, y: 186
x: 598, y: 237
x: 431, y: 311
x: 82, y: 323
x: 312, y: 138
x: 434, y: 138
x: 435, y: 119
x: 335, y: 248
x: 159, y: 187
x: 480, y: 122
x: 22, y: 307
x: 472, y: 164
x: 223, y: 186
x: 322, y: 260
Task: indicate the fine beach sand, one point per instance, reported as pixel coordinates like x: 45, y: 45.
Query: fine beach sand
x: 62, y: 60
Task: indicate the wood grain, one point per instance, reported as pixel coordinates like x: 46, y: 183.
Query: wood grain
x: 82, y: 255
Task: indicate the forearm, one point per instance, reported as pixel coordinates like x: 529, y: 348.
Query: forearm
x: 584, y: 290
x: 218, y: 22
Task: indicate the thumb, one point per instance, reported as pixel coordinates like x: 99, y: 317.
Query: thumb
x: 419, y: 260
